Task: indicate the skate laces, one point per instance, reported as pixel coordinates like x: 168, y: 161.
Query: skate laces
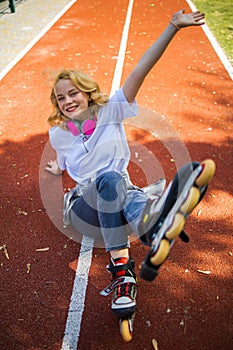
x: 126, y: 290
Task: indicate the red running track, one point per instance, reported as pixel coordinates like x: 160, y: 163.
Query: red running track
x: 182, y: 308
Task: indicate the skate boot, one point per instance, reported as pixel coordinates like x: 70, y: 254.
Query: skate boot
x: 124, y: 288
x: 163, y: 221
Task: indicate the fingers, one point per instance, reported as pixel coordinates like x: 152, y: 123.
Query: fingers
x: 52, y: 163
x: 49, y: 169
x: 197, y: 13
x: 182, y: 19
x: 198, y: 16
x: 52, y: 167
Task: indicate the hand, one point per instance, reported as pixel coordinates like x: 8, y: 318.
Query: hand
x: 185, y: 20
x: 53, y: 168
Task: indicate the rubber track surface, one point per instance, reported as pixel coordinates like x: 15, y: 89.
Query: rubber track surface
x: 189, y: 306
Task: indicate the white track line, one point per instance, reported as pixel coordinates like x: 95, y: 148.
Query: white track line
x: 34, y: 41
x: 76, y: 308
x: 215, y: 44
x: 121, y: 55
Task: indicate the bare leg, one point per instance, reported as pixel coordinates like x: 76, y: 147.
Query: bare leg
x: 121, y: 253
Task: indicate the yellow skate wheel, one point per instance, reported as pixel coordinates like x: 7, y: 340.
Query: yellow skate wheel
x: 191, y: 201
x: 207, y: 173
x: 125, y: 330
x: 161, y: 253
x: 176, y: 227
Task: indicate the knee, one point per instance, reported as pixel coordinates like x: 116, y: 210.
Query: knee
x: 109, y: 179
x: 111, y: 184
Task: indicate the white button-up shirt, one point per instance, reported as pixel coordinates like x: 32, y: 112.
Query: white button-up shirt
x: 106, y: 149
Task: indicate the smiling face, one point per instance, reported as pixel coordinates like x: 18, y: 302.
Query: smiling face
x: 71, y: 101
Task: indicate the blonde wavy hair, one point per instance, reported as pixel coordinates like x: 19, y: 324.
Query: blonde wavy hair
x: 85, y: 84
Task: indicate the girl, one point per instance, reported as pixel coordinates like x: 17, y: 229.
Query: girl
x: 90, y: 143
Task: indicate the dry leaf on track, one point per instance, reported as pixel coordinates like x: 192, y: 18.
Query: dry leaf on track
x: 155, y: 344
x: 205, y: 272
x: 28, y: 268
x: 42, y: 249
x: 4, y: 249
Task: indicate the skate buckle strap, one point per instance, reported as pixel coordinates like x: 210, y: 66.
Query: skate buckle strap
x: 121, y: 267
x: 121, y: 280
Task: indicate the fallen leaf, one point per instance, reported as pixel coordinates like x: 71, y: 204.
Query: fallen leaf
x: 182, y: 323
x: 22, y: 212
x: 155, y: 344
x: 205, y: 272
x: 28, y: 268
x: 42, y: 249
x: 4, y: 248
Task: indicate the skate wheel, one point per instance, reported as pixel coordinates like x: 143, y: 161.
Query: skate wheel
x: 161, y: 253
x: 191, y: 201
x: 176, y: 227
x: 125, y: 330
x: 208, y: 171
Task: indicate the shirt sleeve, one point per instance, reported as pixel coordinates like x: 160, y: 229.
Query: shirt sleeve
x: 56, y: 142
x: 118, y: 109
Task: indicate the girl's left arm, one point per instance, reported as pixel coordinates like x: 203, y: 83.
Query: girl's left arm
x: 53, y: 168
x: 153, y: 54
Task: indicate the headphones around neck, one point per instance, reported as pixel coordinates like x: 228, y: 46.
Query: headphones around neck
x: 87, y: 127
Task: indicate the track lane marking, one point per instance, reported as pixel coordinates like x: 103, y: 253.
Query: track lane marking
x: 217, y: 48
x: 34, y: 41
x: 121, y: 55
x: 76, y: 307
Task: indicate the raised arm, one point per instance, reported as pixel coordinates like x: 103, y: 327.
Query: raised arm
x: 152, y: 55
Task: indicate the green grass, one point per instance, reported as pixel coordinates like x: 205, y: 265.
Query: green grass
x: 219, y: 18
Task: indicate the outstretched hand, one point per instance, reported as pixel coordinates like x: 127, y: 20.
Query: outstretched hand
x: 53, y: 168
x: 190, y: 19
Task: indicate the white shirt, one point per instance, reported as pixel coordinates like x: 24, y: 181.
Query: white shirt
x: 105, y: 150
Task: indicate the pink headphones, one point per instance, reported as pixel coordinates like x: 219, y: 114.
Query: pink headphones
x: 87, y: 127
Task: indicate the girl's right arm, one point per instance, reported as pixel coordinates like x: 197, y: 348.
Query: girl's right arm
x: 153, y: 54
